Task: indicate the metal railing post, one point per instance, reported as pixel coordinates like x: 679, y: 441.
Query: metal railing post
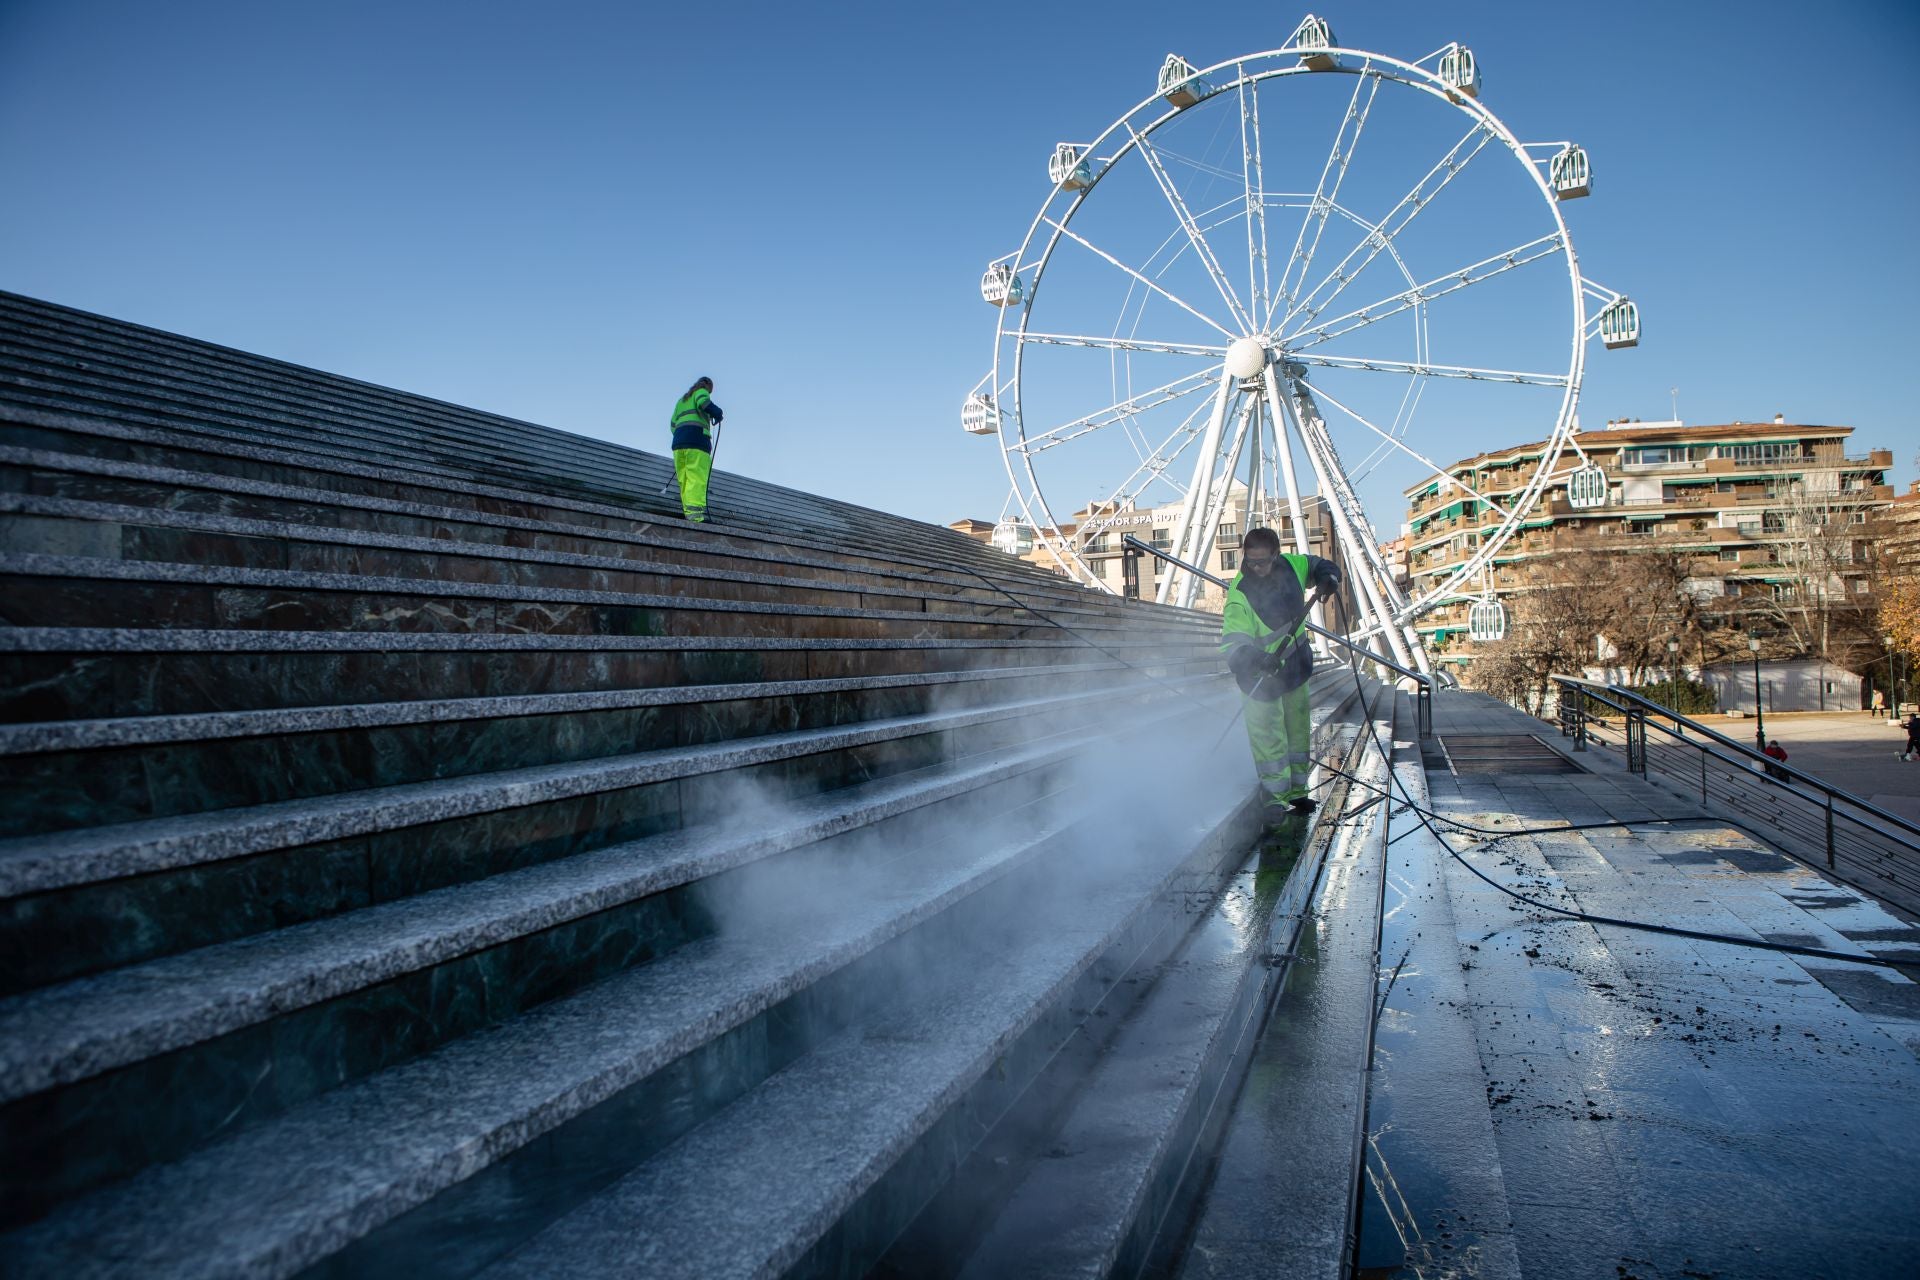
x: 1637, y: 742
x: 1423, y: 710
x: 1829, y: 830
x: 1579, y: 719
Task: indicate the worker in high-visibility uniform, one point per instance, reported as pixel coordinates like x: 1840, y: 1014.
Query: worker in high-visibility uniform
x: 695, y: 415
x: 1263, y: 634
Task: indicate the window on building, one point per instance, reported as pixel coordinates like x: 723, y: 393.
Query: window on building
x: 1162, y: 540
x: 1649, y: 455
x: 1229, y: 533
x: 1771, y: 451
x: 1100, y: 542
x: 1857, y: 517
x: 1229, y: 560
x: 1728, y: 553
x: 1773, y: 521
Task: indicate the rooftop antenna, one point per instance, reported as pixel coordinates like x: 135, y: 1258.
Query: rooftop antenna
x: 1675, y: 393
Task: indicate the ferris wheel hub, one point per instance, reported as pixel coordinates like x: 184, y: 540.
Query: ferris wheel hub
x: 1246, y: 357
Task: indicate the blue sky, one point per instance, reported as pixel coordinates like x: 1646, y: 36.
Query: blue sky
x: 565, y: 212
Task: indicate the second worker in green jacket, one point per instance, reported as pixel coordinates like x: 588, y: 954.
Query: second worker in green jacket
x: 1263, y: 634
x: 695, y: 415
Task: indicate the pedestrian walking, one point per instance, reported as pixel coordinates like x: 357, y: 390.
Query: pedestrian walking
x: 1778, y: 753
x: 1913, y: 737
x: 1262, y: 634
x: 695, y: 415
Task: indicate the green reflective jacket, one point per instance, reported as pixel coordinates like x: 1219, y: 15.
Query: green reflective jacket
x: 690, y: 410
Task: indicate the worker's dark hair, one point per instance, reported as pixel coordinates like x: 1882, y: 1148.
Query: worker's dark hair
x: 698, y: 383
x: 1261, y: 537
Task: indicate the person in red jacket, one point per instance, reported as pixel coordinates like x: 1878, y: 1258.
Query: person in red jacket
x: 1776, y: 752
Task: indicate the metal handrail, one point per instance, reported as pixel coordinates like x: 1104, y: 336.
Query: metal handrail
x: 1423, y: 683
x: 1897, y: 838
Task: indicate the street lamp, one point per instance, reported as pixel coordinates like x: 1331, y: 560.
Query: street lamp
x: 1759, y: 712
x: 1673, y: 675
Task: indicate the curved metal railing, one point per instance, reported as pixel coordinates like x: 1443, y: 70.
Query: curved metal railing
x: 1862, y: 844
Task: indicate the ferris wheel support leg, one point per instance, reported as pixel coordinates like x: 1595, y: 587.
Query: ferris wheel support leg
x: 1217, y: 503
x: 1283, y: 448
x: 1199, y: 491
x: 1362, y: 551
x: 1359, y: 563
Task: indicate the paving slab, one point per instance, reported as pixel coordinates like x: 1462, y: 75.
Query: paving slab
x: 1660, y: 1105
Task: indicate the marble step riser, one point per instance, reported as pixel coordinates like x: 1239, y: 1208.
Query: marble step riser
x: 110, y: 601
x: 164, y: 1106
x: 1038, y: 1073
x: 174, y: 450
x: 187, y: 500
x: 322, y: 513
x: 314, y: 472
x: 734, y: 500
x: 101, y: 785
x: 570, y: 1163
x: 86, y: 684
x: 278, y: 550
x: 400, y: 431
x: 393, y: 427
x: 65, y: 933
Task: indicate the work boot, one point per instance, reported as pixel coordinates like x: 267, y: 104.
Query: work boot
x: 1305, y: 804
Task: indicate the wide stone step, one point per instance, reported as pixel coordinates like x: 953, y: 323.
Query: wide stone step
x: 73, y: 673
x: 81, y: 901
x: 65, y: 526
x: 169, y: 381
x: 957, y: 560
x: 1123, y: 1169
x: 603, y: 1077
x: 267, y: 1022
x: 44, y: 474
x: 62, y: 775
x: 868, y: 1123
x: 85, y: 590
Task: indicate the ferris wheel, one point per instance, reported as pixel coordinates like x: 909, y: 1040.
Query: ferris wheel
x: 1296, y: 273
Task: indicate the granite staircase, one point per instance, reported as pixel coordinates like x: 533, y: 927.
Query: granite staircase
x: 424, y: 853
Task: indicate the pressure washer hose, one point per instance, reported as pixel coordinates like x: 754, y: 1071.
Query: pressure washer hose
x: 1428, y: 816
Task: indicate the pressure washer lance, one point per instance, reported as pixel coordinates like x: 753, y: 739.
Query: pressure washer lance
x: 1298, y: 631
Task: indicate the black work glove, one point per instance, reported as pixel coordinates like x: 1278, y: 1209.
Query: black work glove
x: 1245, y: 662
x: 718, y: 417
x: 1276, y: 660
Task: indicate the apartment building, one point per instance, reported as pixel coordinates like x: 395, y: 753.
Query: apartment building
x: 1735, y: 495
x: 1099, y: 532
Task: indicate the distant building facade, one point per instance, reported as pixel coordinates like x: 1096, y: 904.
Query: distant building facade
x: 1733, y: 495
x: 1099, y: 534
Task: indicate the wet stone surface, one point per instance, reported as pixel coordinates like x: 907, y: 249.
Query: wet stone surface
x: 1661, y: 1106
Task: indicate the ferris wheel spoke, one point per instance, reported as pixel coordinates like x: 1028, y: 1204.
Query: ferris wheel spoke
x: 1154, y: 285
x: 1339, y: 157
x: 1438, y: 287
x: 1253, y: 172
x: 1157, y: 462
x: 1146, y: 345
x: 1201, y: 248
x: 1119, y: 411
x: 1421, y: 369
x: 1409, y: 207
x: 1394, y: 441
